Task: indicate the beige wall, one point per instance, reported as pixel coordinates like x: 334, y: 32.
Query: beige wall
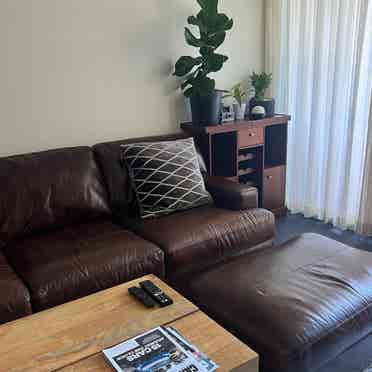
x: 76, y: 72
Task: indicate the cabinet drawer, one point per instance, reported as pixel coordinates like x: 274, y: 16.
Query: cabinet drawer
x: 274, y: 188
x: 250, y: 137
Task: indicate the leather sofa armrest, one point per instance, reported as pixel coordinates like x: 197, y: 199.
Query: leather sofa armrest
x: 15, y: 297
x: 230, y: 195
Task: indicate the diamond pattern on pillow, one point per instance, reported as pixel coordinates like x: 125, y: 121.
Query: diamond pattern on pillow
x: 166, y: 176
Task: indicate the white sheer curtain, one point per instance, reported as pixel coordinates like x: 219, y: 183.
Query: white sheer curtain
x: 365, y: 218
x: 320, y: 52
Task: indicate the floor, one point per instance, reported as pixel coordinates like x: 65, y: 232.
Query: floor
x: 359, y: 357
x: 295, y: 224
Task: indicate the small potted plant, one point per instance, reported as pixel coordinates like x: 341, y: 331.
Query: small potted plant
x: 240, y: 106
x: 197, y: 85
x: 261, y: 82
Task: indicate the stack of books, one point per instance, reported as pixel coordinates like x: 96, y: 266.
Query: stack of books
x: 159, y: 350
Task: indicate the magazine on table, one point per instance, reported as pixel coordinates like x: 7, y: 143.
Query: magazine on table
x: 207, y: 363
x: 158, y: 350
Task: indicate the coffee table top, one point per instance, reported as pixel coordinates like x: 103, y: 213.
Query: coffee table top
x: 71, y: 337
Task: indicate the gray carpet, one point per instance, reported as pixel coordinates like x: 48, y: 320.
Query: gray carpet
x: 359, y: 357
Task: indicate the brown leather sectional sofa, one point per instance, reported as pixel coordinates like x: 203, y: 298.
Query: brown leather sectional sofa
x: 68, y: 228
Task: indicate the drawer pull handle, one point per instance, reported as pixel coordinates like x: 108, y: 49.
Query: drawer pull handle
x: 252, y: 134
x: 269, y: 177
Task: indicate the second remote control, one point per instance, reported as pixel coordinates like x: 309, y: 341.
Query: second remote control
x: 142, y: 296
x: 156, y: 293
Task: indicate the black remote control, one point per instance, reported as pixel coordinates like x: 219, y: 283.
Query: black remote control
x: 142, y: 296
x: 156, y: 293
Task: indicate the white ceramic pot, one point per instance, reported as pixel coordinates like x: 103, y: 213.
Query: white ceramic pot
x: 240, y: 111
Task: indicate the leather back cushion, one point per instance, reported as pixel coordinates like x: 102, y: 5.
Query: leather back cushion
x: 47, y: 190
x: 121, y: 192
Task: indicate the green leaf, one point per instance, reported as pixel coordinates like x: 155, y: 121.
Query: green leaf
x: 237, y: 93
x: 215, y: 62
x: 209, y: 21
x: 185, y: 64
x: 193, y: 21
x: 223, y: 23
x: 191, y: 39
x: 217, y: 23
x: 217, y: 40
x: 210, y: 6
x: 203, y: 85
x: 261, y: 82
x: 229, y: 25
x: 199, y: 21
x: 189, y: 92
x: 188, y: 81
x: 206, y: 51
x: 206, y: 86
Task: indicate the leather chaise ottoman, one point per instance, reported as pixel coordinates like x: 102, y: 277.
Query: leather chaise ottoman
x: 298, y: 305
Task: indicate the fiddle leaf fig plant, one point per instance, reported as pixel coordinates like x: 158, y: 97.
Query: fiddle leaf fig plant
x: 212, y: 33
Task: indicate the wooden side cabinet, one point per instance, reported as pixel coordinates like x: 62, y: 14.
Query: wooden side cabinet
x: 249, y: 152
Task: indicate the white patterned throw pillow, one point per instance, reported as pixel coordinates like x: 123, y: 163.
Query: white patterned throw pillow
x: 166, y: 176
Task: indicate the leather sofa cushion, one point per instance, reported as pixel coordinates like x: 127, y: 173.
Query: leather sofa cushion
x: 47, y: 190
x: 74, y: 262
x: 298, y: 305
x: 194, y: 238
x: 14, y: 296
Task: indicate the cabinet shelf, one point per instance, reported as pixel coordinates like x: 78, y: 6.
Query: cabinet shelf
x: 247, y: 171
x: 246, y: 157
x: 249, y: 184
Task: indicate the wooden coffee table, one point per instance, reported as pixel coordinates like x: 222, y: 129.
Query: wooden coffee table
x: 71, y: 337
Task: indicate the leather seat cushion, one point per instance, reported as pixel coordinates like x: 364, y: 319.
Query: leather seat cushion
x: 299, y: 305
x: 15, y: 298
x: 64, y: 265
x: 195, y: 237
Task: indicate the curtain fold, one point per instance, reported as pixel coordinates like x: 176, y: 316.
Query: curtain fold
x: 365, y: 217
x: 320, y: 53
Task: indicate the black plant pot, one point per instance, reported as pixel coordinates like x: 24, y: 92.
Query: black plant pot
x: 267, y: 103
x: 206, y: 110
